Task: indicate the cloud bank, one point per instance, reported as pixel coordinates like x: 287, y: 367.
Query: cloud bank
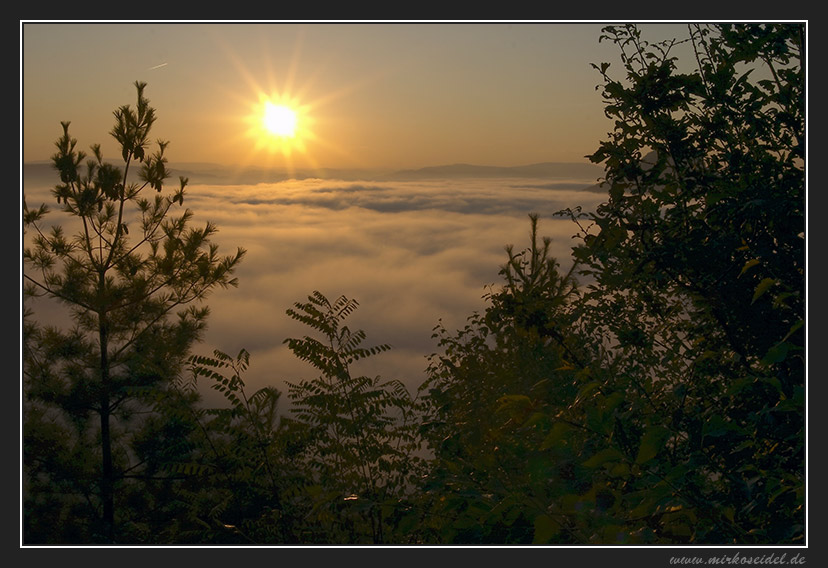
x: 412, y: 253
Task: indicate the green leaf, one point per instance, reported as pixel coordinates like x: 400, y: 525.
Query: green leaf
x: 762, y: 287
x: 793, y: 329
x: 513, y: 404
x: 609, y: 403
x: 537, y: 418
x: 651, y: 442
x: 777, y: 353
x: 718, y: 426
x: 749, y: 264
x: 602, y: 457
x: 556, y: 434
x: 585, y: 391
x: 510, y: 399
x: 546, y: 528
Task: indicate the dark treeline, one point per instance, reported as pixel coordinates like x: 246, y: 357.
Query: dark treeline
x: 652, y: 394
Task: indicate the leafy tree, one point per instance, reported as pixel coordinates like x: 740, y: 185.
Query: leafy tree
x: 491, y: 393
x: 697, y: 268
x: 252, y: 480
x: 133, y: 277
x: 661, y: 402
x: 357, y: 433
x: 652, y: 394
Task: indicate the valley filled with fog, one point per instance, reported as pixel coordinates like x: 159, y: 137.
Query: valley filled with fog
x: 413, y: 249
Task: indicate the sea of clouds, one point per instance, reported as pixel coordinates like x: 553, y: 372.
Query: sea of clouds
x: 412, y: 253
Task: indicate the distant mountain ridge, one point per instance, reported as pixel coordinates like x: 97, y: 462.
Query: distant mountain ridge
x: 539, y: 170
x: 39, y: 173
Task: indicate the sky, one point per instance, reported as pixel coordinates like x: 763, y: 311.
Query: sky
x: 413, y: 252
x: 368, y: 95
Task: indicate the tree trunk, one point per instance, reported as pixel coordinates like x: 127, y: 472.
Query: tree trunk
x: 107, y: 482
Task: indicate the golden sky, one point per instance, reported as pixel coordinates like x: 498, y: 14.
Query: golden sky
x: 367, y: 95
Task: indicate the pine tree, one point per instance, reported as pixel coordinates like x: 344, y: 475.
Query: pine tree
x: 133, y: 276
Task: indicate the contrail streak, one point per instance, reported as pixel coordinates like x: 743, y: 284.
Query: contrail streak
x: 156, y: 67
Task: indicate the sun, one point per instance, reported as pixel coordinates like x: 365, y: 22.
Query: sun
x: 286, y: 121
x: 279, y: 120
x: 280, y: 126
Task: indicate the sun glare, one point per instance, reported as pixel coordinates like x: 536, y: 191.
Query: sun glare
x: 285, y: 125
x: 279, y: 125
x: 280, y: 120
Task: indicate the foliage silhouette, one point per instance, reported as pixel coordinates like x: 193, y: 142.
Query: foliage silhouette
x: 652, y: 393
x: 358, y: 432
x: 496, y: 395
x: 133, y: 277
x: 253, y: 492
x: 697, y: 263
x: 672, y: 407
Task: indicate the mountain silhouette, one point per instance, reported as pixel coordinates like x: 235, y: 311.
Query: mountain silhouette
x: 43, y: 173
x: 569, y: 170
